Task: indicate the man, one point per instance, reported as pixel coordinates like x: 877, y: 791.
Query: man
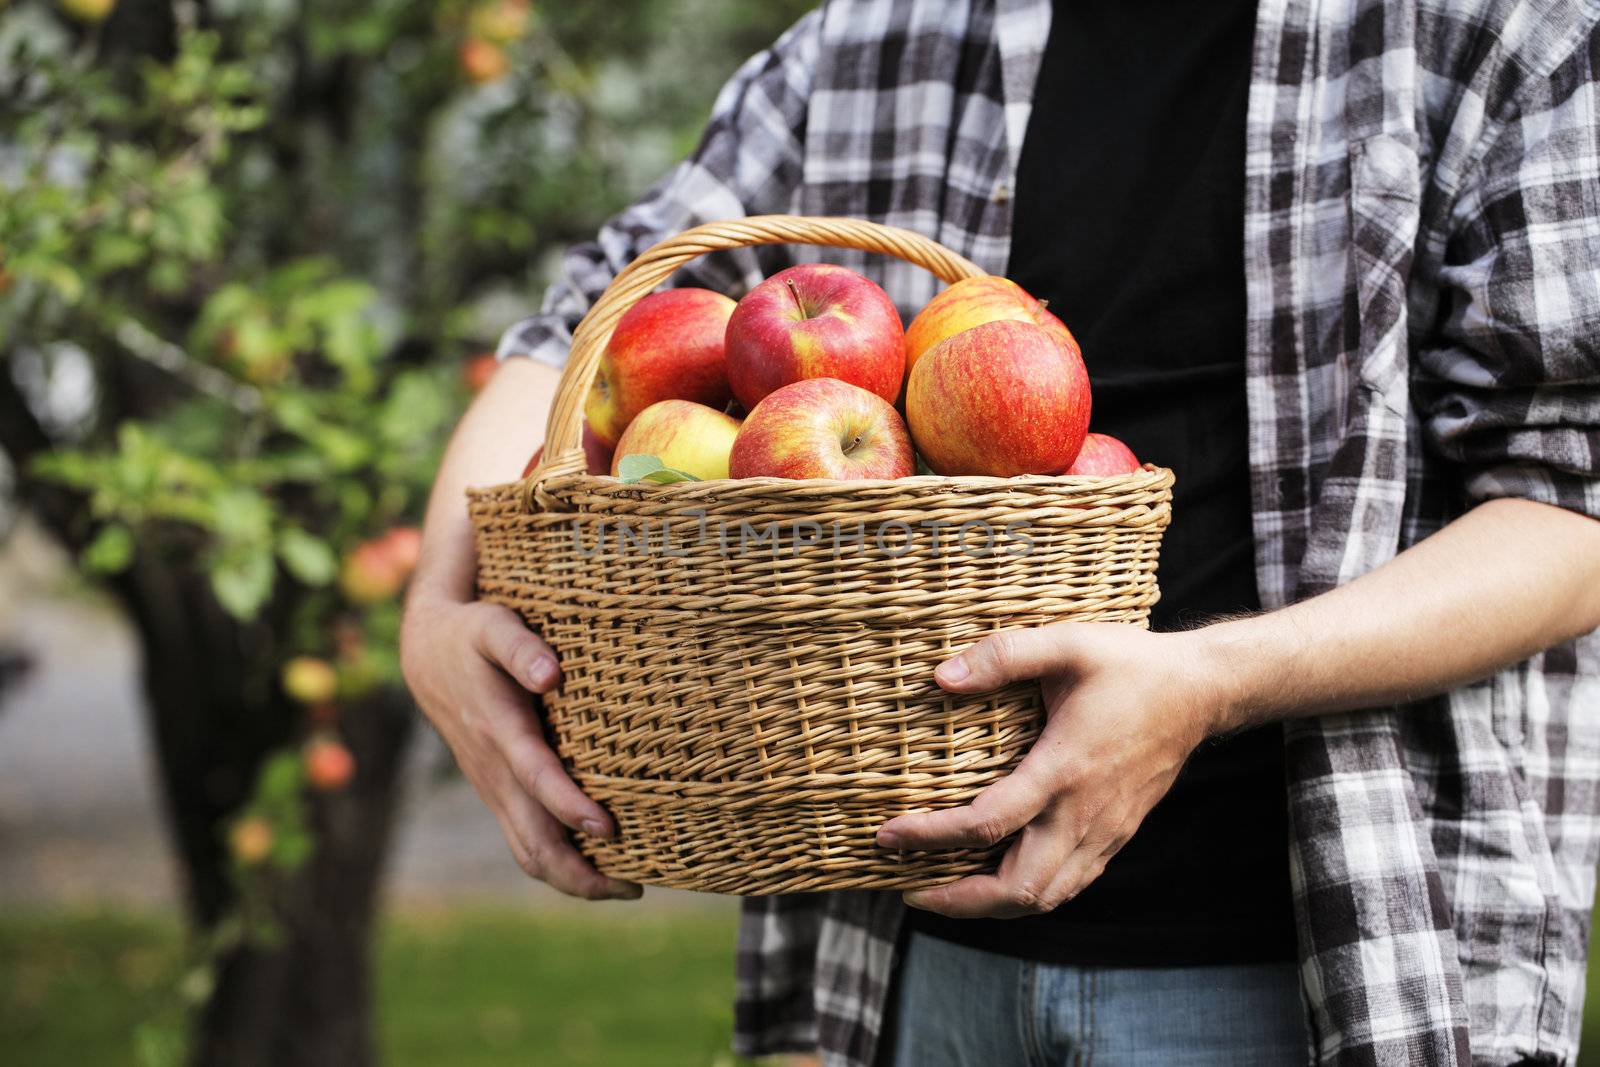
x: 1336, y: 263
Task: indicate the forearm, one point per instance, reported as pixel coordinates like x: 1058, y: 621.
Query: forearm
x: 491, y: 445
x: 1503, y: 582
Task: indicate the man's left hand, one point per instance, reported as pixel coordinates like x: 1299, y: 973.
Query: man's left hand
x: 1124, y: 708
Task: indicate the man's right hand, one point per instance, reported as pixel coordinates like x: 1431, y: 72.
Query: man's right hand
x: 471, y: 667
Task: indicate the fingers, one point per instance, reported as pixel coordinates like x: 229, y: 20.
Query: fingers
x: 1009, y: 656
x: 994, y: 814
x: 542, y: 850
x: 504, y: 639
x: 1045, y: 868
x: 538, y: 772
x: 1027, y: 882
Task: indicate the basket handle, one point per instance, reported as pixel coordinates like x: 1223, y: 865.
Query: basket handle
x: 564, y: 445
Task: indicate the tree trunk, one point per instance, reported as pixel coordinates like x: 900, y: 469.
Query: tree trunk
x: 215, y: 713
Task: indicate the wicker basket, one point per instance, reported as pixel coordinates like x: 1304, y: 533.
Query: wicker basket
x: 748, y: 664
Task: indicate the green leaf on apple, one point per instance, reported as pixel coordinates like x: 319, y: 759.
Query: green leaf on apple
x: 650, y: 469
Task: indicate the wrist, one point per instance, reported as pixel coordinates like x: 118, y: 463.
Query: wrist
x: 1232, y: 654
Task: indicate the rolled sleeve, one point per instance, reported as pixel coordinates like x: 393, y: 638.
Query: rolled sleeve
x: 1513, y: 396
x: 748, y: 162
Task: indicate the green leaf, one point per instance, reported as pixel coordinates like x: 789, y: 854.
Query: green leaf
x: 110, y: 552
x: 242, y: 580
x: 650, y: 469
x: 280, y: 779
x: 307, y: 557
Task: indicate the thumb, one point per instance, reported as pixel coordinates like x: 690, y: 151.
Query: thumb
x: 1009, y: 656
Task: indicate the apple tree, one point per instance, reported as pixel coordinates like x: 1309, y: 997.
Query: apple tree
x: 246, y: 250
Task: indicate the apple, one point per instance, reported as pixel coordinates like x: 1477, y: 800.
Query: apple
x: 377, y: 569
x: 972, y: 302
x: 250, y: 840
x: 596, y: 455
x: 683, y: 435
x: 1103, y: 456
x: 1003, y: 398
x: 668, y: 346
x: 815, y: 321
x: 329, y: 766
x: 310, y: 680
x: 86, y: 10
x: 822, y: 428
x: 477, y: 371
x: 482, y: 61
x: 500, y: 21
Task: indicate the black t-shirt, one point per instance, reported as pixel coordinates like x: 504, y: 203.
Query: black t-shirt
x: 1129, y: 222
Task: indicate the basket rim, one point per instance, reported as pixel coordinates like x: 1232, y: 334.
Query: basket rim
x: 1148, y: 477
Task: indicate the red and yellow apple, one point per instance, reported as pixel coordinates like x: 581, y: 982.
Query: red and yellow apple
x: 1003, y: 398
x: 973, y: 302
x: 816, y: 320
x: 596, y: 455
x: 250, y: 840
x: 683, y: 435
x: 1103, y: 456
x: 500, y: 21
x: 668, y: 346
x: 483, y: 61
x: 378, y: 569
x: 822, y: 428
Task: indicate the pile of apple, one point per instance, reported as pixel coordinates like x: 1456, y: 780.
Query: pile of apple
x: 990, y: 383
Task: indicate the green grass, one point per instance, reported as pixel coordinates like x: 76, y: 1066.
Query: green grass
x: 463, y: 988
x: 559, y: 989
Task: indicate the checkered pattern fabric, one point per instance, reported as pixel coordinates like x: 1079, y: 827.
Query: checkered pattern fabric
x: 1422, y: 249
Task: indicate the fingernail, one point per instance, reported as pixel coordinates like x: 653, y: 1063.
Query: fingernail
x: 916, y: 899
x: 626, y: 891
x: 952, y: 671
x: 889, y: 839
x: 542, y: 672
x: 596, y: 828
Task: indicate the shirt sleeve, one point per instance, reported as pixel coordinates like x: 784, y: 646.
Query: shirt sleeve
x: 748, y: 162
x: 1513, y: 396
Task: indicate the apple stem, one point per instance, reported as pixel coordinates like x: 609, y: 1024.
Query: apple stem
x: 795, y: 292
x: 1044, y: 303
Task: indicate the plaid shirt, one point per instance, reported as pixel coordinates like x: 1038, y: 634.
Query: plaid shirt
x: 1422, y: 249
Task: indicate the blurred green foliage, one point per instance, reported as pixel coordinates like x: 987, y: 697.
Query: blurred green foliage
x: 259, y: 237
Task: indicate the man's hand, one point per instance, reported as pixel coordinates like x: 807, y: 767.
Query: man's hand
x: 1124, y: 709
x: 472, y: 665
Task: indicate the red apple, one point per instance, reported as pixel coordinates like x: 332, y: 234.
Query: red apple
x: 329, y: 766
x: 482, y: 61
x: 973, y: 302
x: 596, y: 455
x: 668, y: 346
x: 1103, y: 456
x: 477, y: 371
x: 1003, y: 398
x: 822, y: 428
x: 815, y: 321
x: 377, y: 569
x: 683, y: 435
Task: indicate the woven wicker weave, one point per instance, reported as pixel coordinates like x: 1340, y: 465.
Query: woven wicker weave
x: 748, y: 664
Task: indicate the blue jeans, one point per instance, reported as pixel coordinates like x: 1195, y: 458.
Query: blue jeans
x: 960, y: 1007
